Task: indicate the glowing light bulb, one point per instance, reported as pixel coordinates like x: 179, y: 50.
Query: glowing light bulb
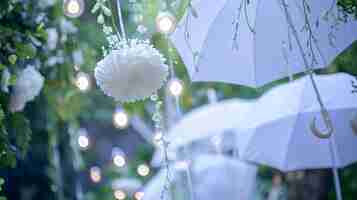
x: 175, y: 87
x: 119, y: 194
x: 118, y: 157
x: 165, y: 23
x: 120, y: 118
x: 143, y: 170
x: 83, y: 81
x: 95, y: 174
x: 73, y: 8
x: 139, y: 195
x: 83, y: 139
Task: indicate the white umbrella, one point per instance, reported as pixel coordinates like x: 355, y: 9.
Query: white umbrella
x: 224, y: 178
x: 257, y: 42
x: 208, y: 121
x: 203, y: 123
x: 282, y: 129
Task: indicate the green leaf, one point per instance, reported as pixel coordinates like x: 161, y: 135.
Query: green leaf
x: 41, y: 32
x: 95, y: 8
x: 12, y: 59
x: 100, y: 19
x: 12, y: 80
x: 25, y: 51
x: 2, y: 115
x: 106, y: 11
x: 2, y: 66
x: 19, y: 128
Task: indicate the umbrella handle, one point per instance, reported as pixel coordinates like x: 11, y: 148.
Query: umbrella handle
x: 322, y: 134
x: 354, y: 126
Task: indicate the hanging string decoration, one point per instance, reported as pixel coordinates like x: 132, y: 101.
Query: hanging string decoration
x: 132, y: 69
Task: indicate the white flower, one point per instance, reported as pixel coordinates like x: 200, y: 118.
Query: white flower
x: 77, y: 56
x: 52, y: 38
x: 133, y: 72
x: 28, y: 85
x: 46, y: 3
x: 141, y: 29
x: 5, y: 80
x: 67, y: 27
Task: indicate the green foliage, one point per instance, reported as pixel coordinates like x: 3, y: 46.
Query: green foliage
x: 20, y: 132
x: 2, y: 181
x: 349, y: 7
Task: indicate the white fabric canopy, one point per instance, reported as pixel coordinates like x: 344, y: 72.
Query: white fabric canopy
x: 279, y: 134
x: 213, y: 177
x: 269, y: 53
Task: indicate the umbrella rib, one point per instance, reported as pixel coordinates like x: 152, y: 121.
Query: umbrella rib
x: 199, y: 57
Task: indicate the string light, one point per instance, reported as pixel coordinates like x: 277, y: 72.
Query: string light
x: 143, y: 170
x: 83, y: 81
x: 118, y: 157
x: 119, y: 194
x: 139, y: 195
x: 165, y: 23
x: 73, y: 8
x: 95, y: 174
x: 83, y: 139
x: 175, y: 87
x: 120, y: 118
x: 157, y: 139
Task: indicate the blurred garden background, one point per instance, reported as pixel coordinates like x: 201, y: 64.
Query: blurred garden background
x: 61, y: 145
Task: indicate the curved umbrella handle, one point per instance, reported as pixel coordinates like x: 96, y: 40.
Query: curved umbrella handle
x: 322, y: 134
x: 354, y: 126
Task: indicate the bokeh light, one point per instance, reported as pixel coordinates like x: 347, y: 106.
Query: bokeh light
x: 139, y: 195
x: 95, y: 174
x: 118, y: 157
x: 83, y: 81
x: 120, y: 118
x: 165, y: 23
x: 143, y: 170
x: 175, y: 87
x: 73, y: 8
x: 119, y: 194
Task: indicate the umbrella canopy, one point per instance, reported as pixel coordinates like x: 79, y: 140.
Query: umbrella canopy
x: 208, y: 121
x: 205, y: 122
x: 252, y: 43
x: 280, y: 134
x: 224, y: 178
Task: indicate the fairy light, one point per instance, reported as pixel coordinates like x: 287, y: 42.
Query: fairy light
x: 83, y: 139
x: 73, y: 8
x: 157, y: 139
x: 175, y: 87
x: 165, y: 23
x: 83, y: 81
x: 120, y: 118
x: 139, y: 195
x: 119, y: 194
x: 143, y: 170
x: 118, y: 157
x: 95, y: 174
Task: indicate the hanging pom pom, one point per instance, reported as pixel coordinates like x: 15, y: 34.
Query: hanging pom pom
x: 28, y: 85
x: 133, y: 72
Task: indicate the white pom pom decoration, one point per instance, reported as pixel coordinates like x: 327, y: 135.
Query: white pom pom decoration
x: 133, y: 72
x: 28, y: 85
